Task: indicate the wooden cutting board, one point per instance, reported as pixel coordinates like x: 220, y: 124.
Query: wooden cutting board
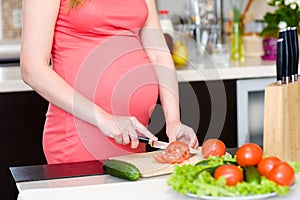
x: 149, y: 167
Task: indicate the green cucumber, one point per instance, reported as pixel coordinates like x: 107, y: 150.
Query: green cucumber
x: 251, y: 175
x: 211, y: 170
x: 202, y: 163
x: 122, y: 169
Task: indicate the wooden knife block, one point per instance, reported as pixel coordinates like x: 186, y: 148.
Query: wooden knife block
x: 282, y: 121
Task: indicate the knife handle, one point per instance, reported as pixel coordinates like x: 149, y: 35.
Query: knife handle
x: 295, y: 44
x: 143, y: 139
x: 291, y: 54
x: 285, y: 54
x: 279, y: 61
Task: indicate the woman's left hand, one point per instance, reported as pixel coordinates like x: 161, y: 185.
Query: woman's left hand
x: 181, y: 132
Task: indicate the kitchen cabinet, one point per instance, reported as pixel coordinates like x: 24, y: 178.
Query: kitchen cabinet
x: 22, y: 116
x: 204, y: 111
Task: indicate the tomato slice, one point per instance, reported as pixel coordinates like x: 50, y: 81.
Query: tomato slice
x: 158, y: 157
x: 176, y: 152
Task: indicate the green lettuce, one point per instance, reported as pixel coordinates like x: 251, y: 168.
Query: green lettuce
x: 193, y: 179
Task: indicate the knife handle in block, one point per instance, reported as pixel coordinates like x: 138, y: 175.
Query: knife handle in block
x: 291, y: 55
x: 285, y: 70
x: 295, y: 44
x: 279, y: 61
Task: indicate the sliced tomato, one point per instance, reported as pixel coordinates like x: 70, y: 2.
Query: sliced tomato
x: 176, y: 152
x: 158, y: 157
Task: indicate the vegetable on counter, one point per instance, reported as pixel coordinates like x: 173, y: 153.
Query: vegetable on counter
x: 213, y: 147
x: 176, y: 152
x: 121, y: 169
x: 249, y: 154
x: 232, y: 173
x: 224, y: 176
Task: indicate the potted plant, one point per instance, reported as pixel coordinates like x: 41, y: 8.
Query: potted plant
x: 286, y: 14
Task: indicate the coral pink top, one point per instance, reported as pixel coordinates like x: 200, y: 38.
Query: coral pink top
x: 97, y: 50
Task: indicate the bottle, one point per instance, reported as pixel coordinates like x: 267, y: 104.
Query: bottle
x: 237, y: 48
x: 167, y: 28
x: 166, y: 22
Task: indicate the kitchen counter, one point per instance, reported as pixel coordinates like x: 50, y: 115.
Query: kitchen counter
x: 11, y: 81
x: 107, y: 187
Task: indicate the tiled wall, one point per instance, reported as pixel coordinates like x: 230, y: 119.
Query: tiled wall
x: 11, y: 19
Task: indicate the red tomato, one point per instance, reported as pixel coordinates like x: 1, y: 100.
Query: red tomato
x: 282, y: 174
x: 232, y: 173
x: 249, y: 154
x: 158, y: 157
x: 213, y: 147
x: 176, y: 152
x: 266, y: 165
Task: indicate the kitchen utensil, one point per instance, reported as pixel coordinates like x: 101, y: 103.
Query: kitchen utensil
x: 281, y: 134
x: 279, y: 61
x: 295, y: 47
x: 282, y: 109
x: 291, y: 55
x: 149, y: 167
x: 162, y: 145
x: 285, y: 53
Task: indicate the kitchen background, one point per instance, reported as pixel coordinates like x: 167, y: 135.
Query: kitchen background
x: 10, y: 33
x: 11, y: 13
x: 22, y: 112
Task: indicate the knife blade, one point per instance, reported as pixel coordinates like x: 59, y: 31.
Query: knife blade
x: 162, y: 145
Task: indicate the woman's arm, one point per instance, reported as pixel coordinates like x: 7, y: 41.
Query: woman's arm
x: 39, y: 18
x: 155, y: 45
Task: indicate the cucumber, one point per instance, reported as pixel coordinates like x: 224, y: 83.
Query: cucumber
x: 202, y: 163
x: 211, y: 170
x: 251, y: 175
x: 122, y: 169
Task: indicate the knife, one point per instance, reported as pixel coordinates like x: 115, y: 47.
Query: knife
x: 162, y: 145
x: 279, y: 61
x: 285, y: 54
x: 291, y: 55
x: 295, y: 44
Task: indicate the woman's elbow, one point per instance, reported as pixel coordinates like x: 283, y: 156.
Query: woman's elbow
x: 27, y: 71
x: 24, y: 71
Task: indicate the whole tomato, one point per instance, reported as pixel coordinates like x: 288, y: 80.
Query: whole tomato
x: 282, y: 174
x: 213, y: 147
x: 232, y: 173
x: 249, y: 155
x: 266, y: 165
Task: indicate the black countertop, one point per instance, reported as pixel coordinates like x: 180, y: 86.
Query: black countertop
x: 55, y: 171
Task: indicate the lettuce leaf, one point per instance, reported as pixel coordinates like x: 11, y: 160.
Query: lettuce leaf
x: 193, y: 179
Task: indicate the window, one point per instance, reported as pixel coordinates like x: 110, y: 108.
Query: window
x: 10, y: 30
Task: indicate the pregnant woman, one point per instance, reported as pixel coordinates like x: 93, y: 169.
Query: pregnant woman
x: 109, y: 64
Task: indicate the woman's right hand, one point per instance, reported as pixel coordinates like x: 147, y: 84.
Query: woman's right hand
x: 123, y: 129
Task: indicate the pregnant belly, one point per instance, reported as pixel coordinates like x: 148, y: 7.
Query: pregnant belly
x: 119, y: 77
x: 128, y: 87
